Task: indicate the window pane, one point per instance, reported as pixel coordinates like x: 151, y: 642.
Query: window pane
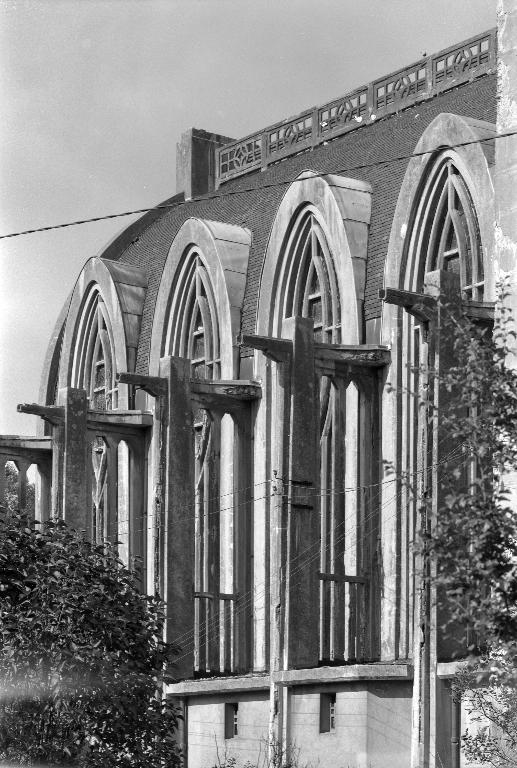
x: 316, y: 309
x: 198, y: 350
x: 100, y: 375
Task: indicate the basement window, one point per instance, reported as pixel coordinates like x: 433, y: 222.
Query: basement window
x: 231, y: 717
x: 327, y: 712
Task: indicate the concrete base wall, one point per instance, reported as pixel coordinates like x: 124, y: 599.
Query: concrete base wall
x: 372, y: 728
x: 207, y: 746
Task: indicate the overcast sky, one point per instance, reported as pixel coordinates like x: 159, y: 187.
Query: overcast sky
x: 95, y: 94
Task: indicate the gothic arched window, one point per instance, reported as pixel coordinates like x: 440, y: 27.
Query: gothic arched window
x: 446, y: 235
x: 193, y: 327
x: 311, y: 291
x: 93, y: 365
x: 193, y: 332
x: 312, y: 285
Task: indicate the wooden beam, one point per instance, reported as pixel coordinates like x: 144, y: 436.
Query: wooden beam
x: 54, y: 414
x: 420, y: 305
x: 118, y: 421
x: 279, y: 350
x: 100, y: 421
x: 355, y: 355
x: 224, y: 396
x: 35, y: 450
x: 480, y: 310
x: 153, y: 385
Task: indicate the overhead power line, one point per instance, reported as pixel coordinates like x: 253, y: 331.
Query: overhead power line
x: 240, y: 191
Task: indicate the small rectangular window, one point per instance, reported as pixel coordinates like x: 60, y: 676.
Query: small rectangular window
x: 231, y: 724
x: 327, y: 712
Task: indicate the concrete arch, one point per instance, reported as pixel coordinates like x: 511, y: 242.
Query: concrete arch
x: 122, y: 288
x: 224, y: 251
x: 458, y: 138
x: 473, y: 160
x: 342, y: 208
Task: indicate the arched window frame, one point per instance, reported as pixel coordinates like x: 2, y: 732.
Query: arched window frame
x: 458, y: 138
x: 337, y: 214
x: 445, y: 228
x: 204, y: 276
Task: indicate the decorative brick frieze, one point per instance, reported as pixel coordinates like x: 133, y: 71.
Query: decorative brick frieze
x: 419, y: 81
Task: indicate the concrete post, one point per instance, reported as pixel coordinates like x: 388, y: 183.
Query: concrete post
x: 43, y: 490
x: 301, y: 644
x: 177, y: 553
x: 70, y: 462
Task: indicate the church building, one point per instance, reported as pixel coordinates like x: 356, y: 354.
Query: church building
x: 229, y: 394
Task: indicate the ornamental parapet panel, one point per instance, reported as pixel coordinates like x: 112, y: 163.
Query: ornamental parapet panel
x: 421, y: 80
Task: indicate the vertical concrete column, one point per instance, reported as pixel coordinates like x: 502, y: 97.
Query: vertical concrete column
x: 301, y: 646
x: 242, y: 539
x: 137, y: 516
x: 434, y: 446
x: 70, y: 456
x: 43, y: 490
x: 111, y: 495
x: 277, y: 397
x: 177, y: 554
x: 21, y: 484
x: 446, y: 641
x: 368, y: 524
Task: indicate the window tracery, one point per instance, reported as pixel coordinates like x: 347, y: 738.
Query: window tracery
x: 312, y: 292
x: 194, y: 334
x: 446, y: 235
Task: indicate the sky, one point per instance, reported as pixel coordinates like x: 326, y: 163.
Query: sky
x: 96, y: 93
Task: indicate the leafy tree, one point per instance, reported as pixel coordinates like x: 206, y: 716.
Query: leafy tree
x: 470, y: 548
x: 473, y: 540
x: 11, y: 491
x: 81, y: 657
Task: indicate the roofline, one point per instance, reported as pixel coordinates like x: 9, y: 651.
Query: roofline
x: 420, y: 81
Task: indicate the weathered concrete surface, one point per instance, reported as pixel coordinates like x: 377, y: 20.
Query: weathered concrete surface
x: 195, y: 161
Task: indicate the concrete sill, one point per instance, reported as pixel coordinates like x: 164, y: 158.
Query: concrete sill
x: 347, y: 673
x: 317, y: 675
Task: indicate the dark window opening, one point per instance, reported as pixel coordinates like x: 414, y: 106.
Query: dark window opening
x: 231, y: 717
x: 327, y: 712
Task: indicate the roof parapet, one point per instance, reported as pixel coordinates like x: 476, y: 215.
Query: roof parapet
x: 422, y: 80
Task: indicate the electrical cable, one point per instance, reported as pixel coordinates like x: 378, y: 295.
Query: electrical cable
x: 232, y: 193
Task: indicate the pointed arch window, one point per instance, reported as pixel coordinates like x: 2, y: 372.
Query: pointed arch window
x: 193, y: 332
x: 446, y: 235
x: 93, y: 365
x: 313, y: 288
x: 193, y: 327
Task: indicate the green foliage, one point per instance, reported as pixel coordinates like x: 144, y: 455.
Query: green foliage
x: 490, y: 699
x: 470, y: 544
x: 473, y: 539
x: 11, y: 491
x: 81, y: 657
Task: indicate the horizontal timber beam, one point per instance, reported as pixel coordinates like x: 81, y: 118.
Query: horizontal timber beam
x: 420, y: 305
x: 100, y: 421
x: 156, y: 386
x: 479, y: 310
x: 355, y: 355
x: 224, y: 395
x: 279, y: 350
x: 33, y: 449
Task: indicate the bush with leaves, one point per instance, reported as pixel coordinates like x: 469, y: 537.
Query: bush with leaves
x: 471, y: 545
x: 81, y: 657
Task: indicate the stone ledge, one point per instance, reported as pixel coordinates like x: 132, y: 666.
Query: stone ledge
x: 348, y: 673
x: 217, y: 685
x: 317, y: 675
